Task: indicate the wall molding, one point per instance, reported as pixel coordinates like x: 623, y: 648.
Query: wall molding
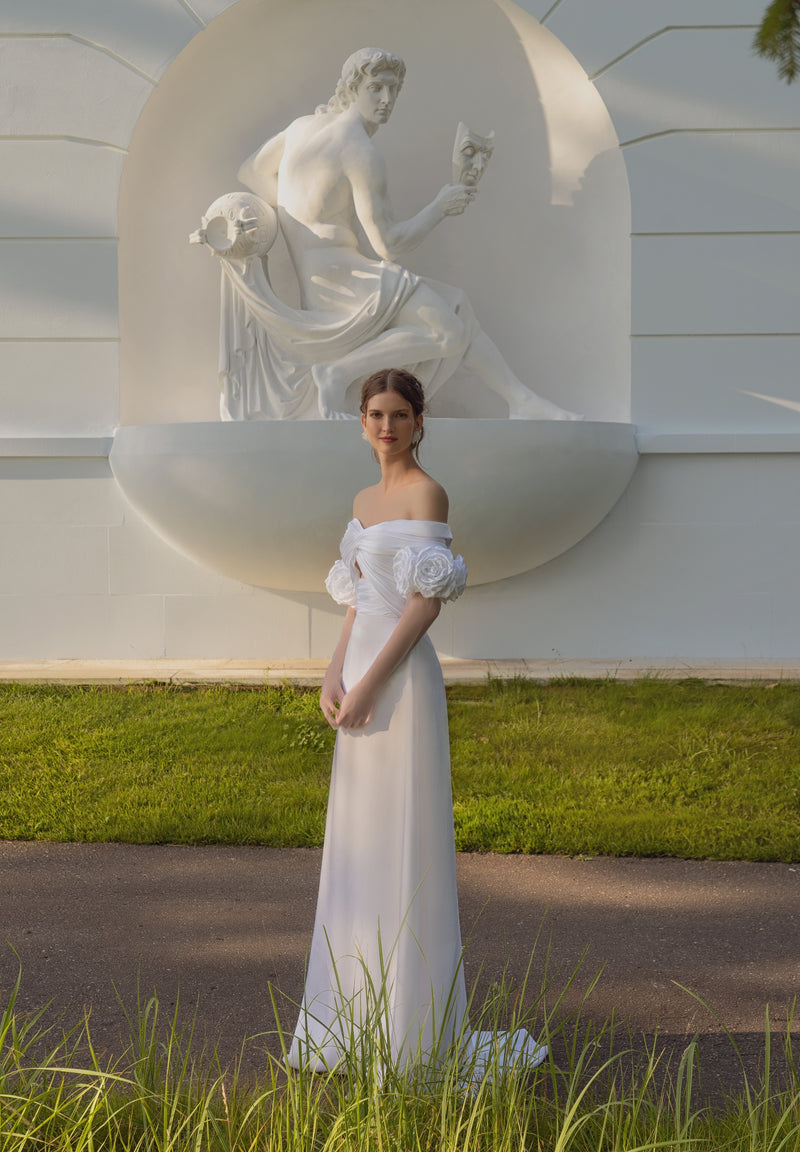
x: 649, y: 443
x: 49, y: 447
x: 715, y: 443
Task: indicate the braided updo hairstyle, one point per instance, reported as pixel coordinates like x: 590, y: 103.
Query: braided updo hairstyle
x: 396, y: 380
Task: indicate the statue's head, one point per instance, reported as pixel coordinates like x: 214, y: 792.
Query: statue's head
x: 365, y: 62
x: 471, y: 154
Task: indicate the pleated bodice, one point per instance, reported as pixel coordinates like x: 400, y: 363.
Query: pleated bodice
x: 369, y: 554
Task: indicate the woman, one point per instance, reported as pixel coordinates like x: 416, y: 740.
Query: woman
x: 385, y: 961
x: 386, y: 940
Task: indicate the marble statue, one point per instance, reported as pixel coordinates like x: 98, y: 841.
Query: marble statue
x: 471, y: 155
x: 360, y: 307
x: 237, y: 226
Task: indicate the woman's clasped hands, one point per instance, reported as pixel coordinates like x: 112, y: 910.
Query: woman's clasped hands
x: 351, y: 709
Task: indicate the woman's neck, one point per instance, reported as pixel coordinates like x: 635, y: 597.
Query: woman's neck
x: 397, y: 473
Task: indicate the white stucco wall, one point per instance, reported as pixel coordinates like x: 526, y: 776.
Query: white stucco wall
x: 699, y: 558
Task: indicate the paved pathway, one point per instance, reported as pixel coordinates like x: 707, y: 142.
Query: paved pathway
x: 219, y: 924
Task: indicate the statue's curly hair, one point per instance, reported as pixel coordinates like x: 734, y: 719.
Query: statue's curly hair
x: 364, y: 62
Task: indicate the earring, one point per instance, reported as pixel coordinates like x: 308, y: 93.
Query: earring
x: 415, y: 439
x: 364, y: 436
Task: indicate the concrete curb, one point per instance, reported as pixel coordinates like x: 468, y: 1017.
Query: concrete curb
x: 311, y: 672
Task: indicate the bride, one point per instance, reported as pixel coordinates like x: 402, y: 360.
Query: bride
x: 386, y: 950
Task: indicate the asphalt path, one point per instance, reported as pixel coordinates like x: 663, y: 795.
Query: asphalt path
x: 682, y: 948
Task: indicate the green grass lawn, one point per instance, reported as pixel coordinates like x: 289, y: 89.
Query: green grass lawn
x: 575, y: 767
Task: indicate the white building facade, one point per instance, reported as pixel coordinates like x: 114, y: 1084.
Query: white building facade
x: 699, y: 558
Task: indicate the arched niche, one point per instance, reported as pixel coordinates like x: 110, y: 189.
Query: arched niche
x: 543, y: 253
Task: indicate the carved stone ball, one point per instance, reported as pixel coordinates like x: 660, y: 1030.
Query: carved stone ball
x: 238, y: 225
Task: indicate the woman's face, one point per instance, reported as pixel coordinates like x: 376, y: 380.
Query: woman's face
x: 390, y: 423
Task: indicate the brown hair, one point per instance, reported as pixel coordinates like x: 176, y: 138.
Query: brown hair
x: 396, y: 380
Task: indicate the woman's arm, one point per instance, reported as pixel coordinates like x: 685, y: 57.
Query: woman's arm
x: 332, y: 693
x: 358, y: 704
x: 427, y: 500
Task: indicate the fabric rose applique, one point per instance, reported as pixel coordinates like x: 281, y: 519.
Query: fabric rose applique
x: 431, y: 571
x: 339, y: 584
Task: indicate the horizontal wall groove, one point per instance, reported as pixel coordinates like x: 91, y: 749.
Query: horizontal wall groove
x: 58, y: 239
x: 68, y: 139
x: 59, y: 339
x: 58, y: 447
x: 714, y: 335
x: 665, y: 31
x: 701, y: 132
x: 87, y: 43
x: 730, y: 443
x: 739, y: 232
x: 650, y: 441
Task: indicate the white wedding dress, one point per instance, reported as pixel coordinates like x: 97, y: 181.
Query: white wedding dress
x: 386, y: 950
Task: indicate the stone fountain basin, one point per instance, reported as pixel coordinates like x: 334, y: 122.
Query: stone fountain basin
x: 266, y: 502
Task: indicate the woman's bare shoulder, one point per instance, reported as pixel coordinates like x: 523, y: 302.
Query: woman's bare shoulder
x: 362, y: 501
x: 428, y: 501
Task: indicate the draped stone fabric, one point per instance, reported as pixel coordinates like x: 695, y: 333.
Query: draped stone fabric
x: 268, y: 349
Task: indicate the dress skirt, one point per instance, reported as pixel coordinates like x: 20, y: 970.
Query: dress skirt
x: 385, y: 957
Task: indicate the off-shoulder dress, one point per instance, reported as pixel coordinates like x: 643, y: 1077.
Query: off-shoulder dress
x: 386, y: 950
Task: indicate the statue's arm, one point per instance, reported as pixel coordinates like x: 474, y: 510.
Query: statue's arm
x: 260, y: 171
x: 390, y: 238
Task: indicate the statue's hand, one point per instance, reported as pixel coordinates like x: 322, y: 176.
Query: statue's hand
x: 454, y: 198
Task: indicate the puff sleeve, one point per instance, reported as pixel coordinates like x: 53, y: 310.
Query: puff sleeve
x: 431, y: 570
x: 340, y: 586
